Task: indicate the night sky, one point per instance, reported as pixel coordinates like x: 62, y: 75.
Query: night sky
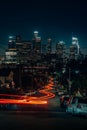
x: 59, y: 20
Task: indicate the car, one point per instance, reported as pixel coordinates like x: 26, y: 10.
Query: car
x: 78, y: 105
x: 65, y: 100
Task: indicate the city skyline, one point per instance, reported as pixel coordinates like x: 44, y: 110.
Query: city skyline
x: 83, y: 50
x: 59, y: 20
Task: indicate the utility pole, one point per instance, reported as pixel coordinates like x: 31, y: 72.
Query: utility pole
x: 69, y: 81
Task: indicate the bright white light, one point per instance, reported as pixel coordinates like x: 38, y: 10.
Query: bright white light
x: 74, y: 38
x: 10, y: 40
x: 10, y: 37
x: 35, y: 32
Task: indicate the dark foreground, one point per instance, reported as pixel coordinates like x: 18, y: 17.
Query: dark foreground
x: 45, y: 120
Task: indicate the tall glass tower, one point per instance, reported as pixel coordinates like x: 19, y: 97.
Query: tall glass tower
x: 76, y: 44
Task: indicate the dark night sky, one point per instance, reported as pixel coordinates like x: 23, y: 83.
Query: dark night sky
x: 52, y: 18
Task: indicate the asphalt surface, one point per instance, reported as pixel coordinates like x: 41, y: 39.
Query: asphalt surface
x: 49, y: 116
x: 24, y: 120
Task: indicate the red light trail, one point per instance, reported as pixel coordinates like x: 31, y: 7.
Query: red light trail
x: 23, y: 99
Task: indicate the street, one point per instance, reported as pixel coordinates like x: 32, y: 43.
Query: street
x: 25, y: 120
x: 40, y: 116
x: 48, y: 116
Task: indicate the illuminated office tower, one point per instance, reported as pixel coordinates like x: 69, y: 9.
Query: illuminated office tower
x: 74, y: 49
x: 10, y: 56
x: 72, y: 54
x: 49, y: 46
x: 35, y: 34
x: 36, y: 43
x: 61, y: 51
x: 76, y: 44
x: 11, y: 52
x: 24, y: 49
x: 11, y: 42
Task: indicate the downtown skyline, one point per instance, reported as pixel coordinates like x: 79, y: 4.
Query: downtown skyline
x: 59, y: 20
x: 83, y: 50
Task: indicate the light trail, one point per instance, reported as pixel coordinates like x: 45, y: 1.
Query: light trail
x: 23, y: 99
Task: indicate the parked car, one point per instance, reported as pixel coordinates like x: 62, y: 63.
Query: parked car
x: 78, y: 105
x: 64, y: 100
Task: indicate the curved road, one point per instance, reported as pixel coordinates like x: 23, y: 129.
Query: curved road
x: 18, y: 99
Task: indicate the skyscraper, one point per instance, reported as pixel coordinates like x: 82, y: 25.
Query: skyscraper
x: 76, y: 44
x: 74, y: 49
x: 61, y: 51
x: 49, y: 46
x: 36, y: 43
x: 11, y: 42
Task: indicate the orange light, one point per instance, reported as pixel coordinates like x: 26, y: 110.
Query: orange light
x: 37, y: 102
x: 26, y: 99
